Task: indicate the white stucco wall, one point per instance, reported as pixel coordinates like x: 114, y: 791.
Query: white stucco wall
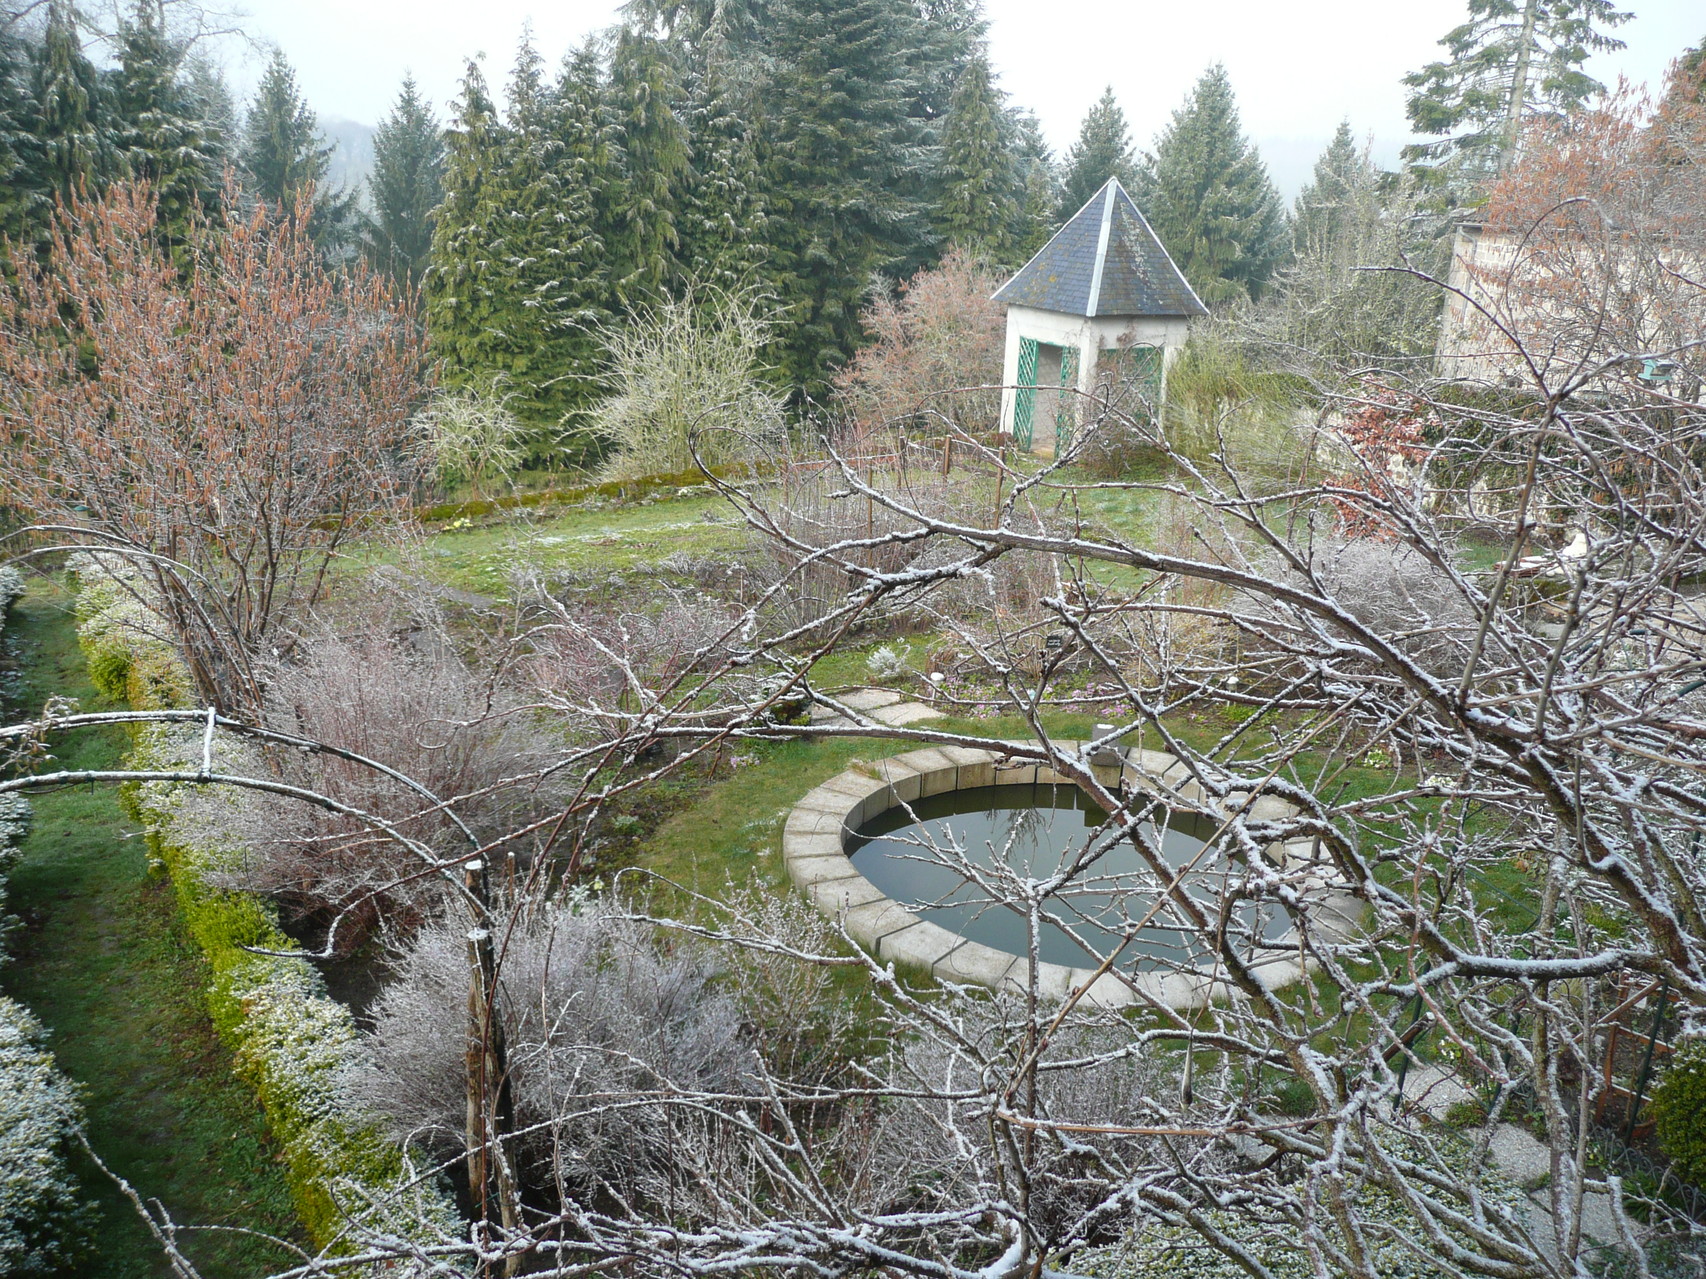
x: 1090, y: 337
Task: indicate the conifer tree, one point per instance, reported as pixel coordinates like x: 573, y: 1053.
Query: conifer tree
x: 510, y: 292
x: 160, y: 132
x: 283, y: 153
x: 1322, y: 205
x: 1038, y: 194
x: 1512, y: 60
x: 70, y: 145
x: 979, y: 206
x: 840, y: 160
x: 20, y: 161
x: 408, y: 153
x: 1103, y: 151
x: 590, y: 161
x: 1207, y: 194
x: 722, y: 217
x: 654, y: 148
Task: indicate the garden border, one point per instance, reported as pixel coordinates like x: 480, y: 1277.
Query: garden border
x: 814, y: 851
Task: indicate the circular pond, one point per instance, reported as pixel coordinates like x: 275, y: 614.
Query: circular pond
x: 946, y: 856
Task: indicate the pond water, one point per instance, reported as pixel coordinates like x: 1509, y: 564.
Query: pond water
x: 1030, y: 831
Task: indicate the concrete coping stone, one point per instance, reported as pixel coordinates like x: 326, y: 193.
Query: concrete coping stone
x: 814, y: 852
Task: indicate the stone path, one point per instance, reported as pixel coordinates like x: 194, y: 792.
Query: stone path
x: 884, y: 705
x: 1515, y: 1152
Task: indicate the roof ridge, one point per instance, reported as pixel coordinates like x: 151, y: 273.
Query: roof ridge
x: 1112, y: 185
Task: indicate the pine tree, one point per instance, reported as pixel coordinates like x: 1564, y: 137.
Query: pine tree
x: 654, y: 147
x: 840, y: 159
x: 1512, y: 60
x: 1321, y: 206
x: 161, y: 135
x: 1207, y: 194
x: 408, y: 152
x: 1103, y: 151
x: 283, y: 153
x: 71, y: 147
x: 979, y: 205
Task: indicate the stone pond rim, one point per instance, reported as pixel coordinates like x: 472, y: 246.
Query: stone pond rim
x: 814, y: 852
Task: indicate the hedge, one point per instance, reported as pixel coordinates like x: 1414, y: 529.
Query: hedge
x: 293, y: 1044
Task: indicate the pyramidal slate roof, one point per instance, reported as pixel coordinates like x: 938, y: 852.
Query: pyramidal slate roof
x: 1106, y: 261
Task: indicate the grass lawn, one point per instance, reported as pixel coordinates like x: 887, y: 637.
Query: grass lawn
x: 104, y: 963
x: 593, y: 538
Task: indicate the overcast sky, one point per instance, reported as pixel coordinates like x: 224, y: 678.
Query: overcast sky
x: 1297, y: 68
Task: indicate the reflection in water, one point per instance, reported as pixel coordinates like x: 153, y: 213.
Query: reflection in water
x: 1030, y: 832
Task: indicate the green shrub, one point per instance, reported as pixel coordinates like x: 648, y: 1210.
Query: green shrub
x: 1679, y: 1112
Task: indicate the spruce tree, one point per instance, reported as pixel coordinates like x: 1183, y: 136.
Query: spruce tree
x: 654, y: 148
x: 1322, y: 205
x: 1512, y: 60
x: 979, y: 206
x: 405, y: 186
x: 1103, y: 151
x: 71, y: 147
x: 160, y: 132
x: 841, y: 159
x: 1207, y: 194
x: 283, y: 153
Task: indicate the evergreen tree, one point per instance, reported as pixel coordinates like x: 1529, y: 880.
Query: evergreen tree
x: 1512, y: 60
x: 283, y: 153
x: 591, y: 162
x: 20, y: 160
x: 1103, y: 151
x: 70, y: 145
x: 654, y: 149
x: 510, y: 290
x: 1322, y: 205
x: 979, y: 206
x: 408, y: 153
x: 161, y: 134
x: 722, y: 222
x: 840, y: 159
x: 1207, y: 194
x: 1039, y: 197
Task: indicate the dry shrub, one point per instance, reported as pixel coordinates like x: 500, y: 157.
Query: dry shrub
x: 419, y: 709
x: 688, y: 386
x: 602, y: 1026
x: 593, y: 665
x: 936, y: 348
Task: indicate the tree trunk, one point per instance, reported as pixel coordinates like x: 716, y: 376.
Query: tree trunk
x: 1519, y: 86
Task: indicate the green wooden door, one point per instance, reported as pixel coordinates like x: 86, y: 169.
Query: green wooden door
x: 1066, y: 406
x: 1025, y: 397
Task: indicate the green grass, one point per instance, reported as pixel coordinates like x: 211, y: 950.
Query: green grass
x: 104, y: 963
x: 587, y: 539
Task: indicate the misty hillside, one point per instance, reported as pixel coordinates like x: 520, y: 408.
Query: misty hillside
x: 352, y: 154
